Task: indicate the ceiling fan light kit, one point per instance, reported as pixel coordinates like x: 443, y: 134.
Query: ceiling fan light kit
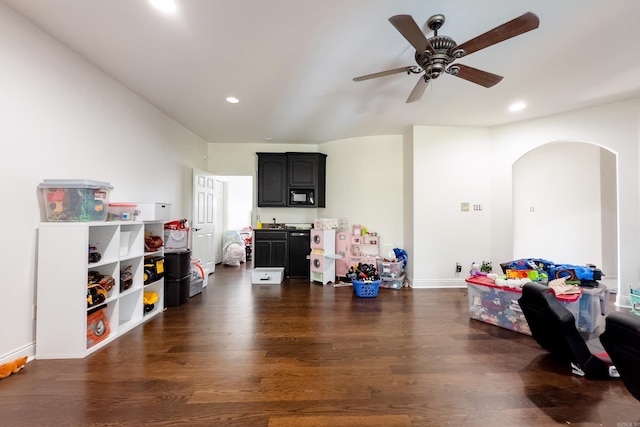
x: 435, y: 55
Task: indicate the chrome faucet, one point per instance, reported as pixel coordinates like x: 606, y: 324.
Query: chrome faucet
x: 274, y: 222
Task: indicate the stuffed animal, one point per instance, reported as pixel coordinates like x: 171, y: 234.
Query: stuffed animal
x: 12, y: 367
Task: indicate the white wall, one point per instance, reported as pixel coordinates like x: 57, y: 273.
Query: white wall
x: 62, y: 118
x: 613, y: 126
x: 609, y: 206
x: 450, y: 166
x: 239, y: 201
x: 365, y: 185
x: 556, y: 204
x: 408, y: 201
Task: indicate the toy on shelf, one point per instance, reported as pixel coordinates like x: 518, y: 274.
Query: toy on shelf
x: 150, y: 299
x: 152, y: 243
x: 126, y: 278
x: 94, y: 255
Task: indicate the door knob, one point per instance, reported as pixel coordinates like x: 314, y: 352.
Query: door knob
x: 197, y: 229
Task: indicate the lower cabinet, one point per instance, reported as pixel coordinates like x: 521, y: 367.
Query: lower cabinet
x: 74, y: 318
x: 271, y: 249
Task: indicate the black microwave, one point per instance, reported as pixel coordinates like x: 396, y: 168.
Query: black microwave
x: 301, y: 197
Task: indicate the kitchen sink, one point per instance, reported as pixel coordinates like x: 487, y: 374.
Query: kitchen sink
x: 273, y: 226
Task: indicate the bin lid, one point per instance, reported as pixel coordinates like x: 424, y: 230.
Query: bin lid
x: 123, y: 205
x: 75, y: 183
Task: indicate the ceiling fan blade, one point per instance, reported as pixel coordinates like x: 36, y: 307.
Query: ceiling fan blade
x: 418, y: 90
x: 385, y: 73
x: 483, y: 78
x: 410, y: 31
x: 527, y: 22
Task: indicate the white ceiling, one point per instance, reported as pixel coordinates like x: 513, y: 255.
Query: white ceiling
x: 291, y: 62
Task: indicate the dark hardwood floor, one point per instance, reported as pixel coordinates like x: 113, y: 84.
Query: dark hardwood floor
x: 301, y: 354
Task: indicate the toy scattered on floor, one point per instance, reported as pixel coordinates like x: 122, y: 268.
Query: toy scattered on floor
x: 12, y: 367
x: 486, y: 267
x: 480, y: 269
x: 586, y: 276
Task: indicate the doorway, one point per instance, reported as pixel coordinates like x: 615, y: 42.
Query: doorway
x: 221, y: 203
x: 565, y: 206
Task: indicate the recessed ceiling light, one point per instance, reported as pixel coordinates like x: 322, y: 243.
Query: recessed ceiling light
x: 164, y: 5
x: 517, y: 106
x: 232, y: 100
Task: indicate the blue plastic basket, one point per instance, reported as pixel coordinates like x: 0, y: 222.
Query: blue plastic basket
x: 366, y: 289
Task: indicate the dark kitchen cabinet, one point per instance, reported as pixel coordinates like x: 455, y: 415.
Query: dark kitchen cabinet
x: 303, y: 170
x: 271, y: 249
x: 279, y: 173
x: 272, y: 180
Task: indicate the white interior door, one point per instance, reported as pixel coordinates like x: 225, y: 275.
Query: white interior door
x: 219, y: 211
x: 204, y: 216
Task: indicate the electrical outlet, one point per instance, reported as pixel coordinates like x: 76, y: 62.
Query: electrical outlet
x: 458, y: 268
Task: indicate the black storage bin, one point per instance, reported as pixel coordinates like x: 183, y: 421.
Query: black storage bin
x: 177, y: 264
x: 176, y: 291
x: 177, y: 277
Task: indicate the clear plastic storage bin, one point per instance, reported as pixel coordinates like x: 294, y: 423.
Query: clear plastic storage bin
x: 75, y: 199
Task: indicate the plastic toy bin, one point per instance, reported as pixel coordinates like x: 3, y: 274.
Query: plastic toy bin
x: 74, y: 200
x: 390, y: 268
x: 392, y: 282
x: 499, y: 305
x: 121, y: 211
x: 593, y: 308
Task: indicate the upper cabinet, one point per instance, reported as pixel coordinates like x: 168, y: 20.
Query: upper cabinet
x: 303, y: 170
x: 283, y: 179
x: 272, y: 179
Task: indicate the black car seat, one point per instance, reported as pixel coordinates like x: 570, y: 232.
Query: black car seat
x: 554, y: 328
x: 621, y: 340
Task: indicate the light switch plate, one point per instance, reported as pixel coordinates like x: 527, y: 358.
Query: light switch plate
x: 464, y: 206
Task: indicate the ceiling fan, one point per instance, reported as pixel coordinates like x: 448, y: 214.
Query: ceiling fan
x: 435, y: 55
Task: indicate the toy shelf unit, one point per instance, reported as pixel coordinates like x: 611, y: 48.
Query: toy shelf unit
x: 356, y: 249
x: 154, y: 230
x: 72, y: 320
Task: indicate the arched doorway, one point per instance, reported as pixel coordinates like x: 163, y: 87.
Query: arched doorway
x: 565, y: 203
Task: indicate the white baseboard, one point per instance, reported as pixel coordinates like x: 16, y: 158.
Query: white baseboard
x: 28, y: 350
x: 439, y: 283
x: 623, y: 300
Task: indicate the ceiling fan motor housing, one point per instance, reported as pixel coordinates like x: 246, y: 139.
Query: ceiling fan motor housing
x: 435, y: 63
